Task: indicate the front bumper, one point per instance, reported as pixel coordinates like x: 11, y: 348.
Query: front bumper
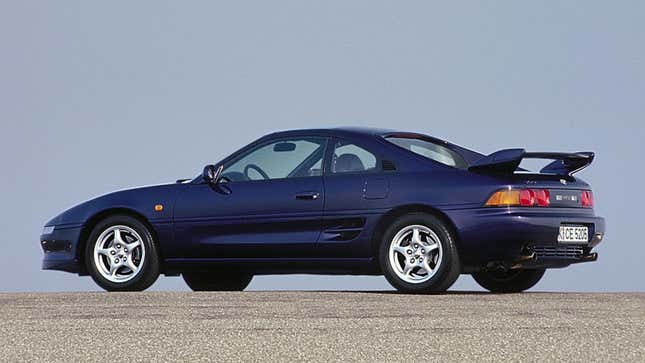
x: 60, y: 249
x: 508, y: 235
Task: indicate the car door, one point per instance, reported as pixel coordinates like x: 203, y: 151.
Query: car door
x: 268, y: 204
x: 356, y: 192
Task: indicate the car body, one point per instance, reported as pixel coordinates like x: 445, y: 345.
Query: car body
x: 329, y: 213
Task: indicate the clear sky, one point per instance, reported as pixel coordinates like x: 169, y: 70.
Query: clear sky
x: 100, y: 96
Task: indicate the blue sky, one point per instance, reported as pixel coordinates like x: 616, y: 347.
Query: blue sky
x: 96, y: 97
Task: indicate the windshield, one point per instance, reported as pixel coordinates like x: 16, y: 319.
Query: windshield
x: 430, y: 150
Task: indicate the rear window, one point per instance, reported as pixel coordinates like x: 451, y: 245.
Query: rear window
x: 430, y: 150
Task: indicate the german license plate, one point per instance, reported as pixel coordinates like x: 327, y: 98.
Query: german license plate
x: 573, y: 234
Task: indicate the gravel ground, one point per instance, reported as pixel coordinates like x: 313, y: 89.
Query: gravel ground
x: 321, y: 326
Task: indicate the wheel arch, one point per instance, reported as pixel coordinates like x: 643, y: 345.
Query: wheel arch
x: 388, y: 218
x: 98, y: 217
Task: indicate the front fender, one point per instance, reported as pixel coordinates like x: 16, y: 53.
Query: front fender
x: 140, y: 200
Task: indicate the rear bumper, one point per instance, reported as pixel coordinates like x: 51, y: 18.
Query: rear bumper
x: 60, y: 249
x: 511, y: 234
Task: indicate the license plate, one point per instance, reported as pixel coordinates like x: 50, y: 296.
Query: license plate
x: 573, y: 234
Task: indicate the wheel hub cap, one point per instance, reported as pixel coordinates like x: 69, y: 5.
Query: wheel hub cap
x: 119, y: 253
x: 415, y: 254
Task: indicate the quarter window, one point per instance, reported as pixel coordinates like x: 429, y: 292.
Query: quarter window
x: 430, y: 150
x: 351, y: 158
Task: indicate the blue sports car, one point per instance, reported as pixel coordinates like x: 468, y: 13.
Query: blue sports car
x: 414, y: 208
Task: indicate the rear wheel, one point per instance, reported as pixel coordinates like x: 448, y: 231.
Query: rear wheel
x: 217, y: 281
x: 508, y: 281
x: 121, y: 255
x: 418, y: 254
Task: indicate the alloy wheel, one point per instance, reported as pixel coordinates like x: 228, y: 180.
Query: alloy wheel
x: 415, y: 254
x: 119, y: 253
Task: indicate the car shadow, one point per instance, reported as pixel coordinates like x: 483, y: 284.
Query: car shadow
x: 394, y: 292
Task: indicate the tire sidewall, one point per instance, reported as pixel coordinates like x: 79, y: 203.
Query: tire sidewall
x: 447, y: 245
x: 521, y: 281
x: 216, y: 280
x: 150, y: 268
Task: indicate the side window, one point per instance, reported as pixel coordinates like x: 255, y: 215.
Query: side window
x: 350, y: 158
x: 286, y: 158
x: 430, y: 150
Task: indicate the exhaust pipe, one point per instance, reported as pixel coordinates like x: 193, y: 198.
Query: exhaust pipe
x: 523, y: 260
x: 526, y: 258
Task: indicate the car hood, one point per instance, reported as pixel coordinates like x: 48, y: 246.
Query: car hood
x: 140, y: 200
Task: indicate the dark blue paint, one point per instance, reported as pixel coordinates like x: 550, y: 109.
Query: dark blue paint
x: 263, y: 227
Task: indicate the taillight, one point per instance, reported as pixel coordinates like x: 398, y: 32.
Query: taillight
x: 504, y: 198
x: 519, y: 197
x: 527, y: 197
x: 587, y: 199
x: 542, y: 197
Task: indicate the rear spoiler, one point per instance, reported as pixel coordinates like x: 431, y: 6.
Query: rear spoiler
x: 507, y: 161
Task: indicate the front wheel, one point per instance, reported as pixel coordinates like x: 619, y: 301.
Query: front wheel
x: 508, y: 281
x: 418, y: 254
x: 217, y: 281
x: 121, y: 255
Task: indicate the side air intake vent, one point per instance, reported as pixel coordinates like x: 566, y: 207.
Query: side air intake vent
x: 388, y: 165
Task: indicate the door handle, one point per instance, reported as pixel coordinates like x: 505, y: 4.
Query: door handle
x: 308, y: 196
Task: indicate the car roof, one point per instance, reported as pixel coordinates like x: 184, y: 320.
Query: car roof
x: 372, y: 133
x: 351, y: 131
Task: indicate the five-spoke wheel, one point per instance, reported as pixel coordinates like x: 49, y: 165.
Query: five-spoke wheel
x: 121, y: 254
x: 418, y: 254
x: 415, y: 253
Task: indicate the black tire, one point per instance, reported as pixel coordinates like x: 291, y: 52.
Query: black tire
x: 508, y: 281
x: 148, y: 272
x: 449, y: 268
x: 217, y: 280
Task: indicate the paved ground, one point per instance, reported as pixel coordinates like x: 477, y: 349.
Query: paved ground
x: 321, y: 326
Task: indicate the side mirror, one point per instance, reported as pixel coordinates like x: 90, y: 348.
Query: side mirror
x: 211, y: 174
